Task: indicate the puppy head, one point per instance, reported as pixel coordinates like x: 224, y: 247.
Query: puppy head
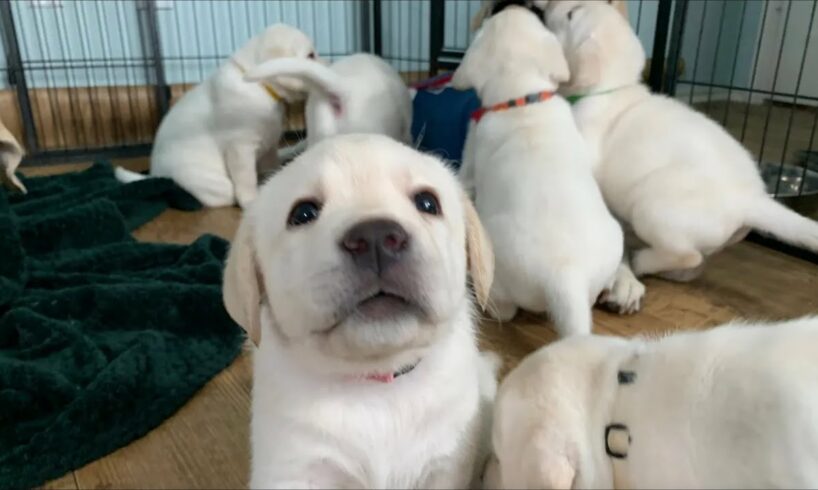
x: 545, y: 433
x: 357, y: 251
x: 511, y: 44
x: 599, y: 43
x: 282, y: 41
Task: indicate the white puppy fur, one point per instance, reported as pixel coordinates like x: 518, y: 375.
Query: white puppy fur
x: 360, y: 93
x: 731, y: 407
x: 679, y: 180
x: 212, y: 138
x: 333, y: 306
x: 556, y: 245
x: 11, y: 154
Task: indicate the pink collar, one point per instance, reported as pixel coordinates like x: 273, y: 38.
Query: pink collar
x: 389, y: 377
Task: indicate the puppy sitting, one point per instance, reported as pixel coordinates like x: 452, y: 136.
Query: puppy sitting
x: 210, y: 140
x: 556, y: 244
x: 731, y: 407
x: 682, y: 183
x: 349, y: 271
x: 357, y: 94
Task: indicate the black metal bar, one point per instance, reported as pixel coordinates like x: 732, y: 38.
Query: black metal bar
x: 377, y: 28
x: 154, y: 43
x: 676, y: 33
x: 366, y: 26
x: 437, y: 23
x: 18, y: 77
x: 657, y: 64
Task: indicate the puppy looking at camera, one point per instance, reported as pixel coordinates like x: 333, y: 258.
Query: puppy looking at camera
x: 730, y: 407
x: 349, y: 272
x: 360, y: 93
x: 683, y: 184
x: 212, y: 138
x: 556, y: 245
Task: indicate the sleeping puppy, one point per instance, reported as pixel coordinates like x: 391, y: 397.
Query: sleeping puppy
x: 360, y: 93
x: 556, y: 244
x: 730, y: 407
x: 678, y: 179
x: 349, y: 272
x: 210, y: 140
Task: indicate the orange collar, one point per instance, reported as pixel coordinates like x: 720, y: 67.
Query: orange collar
x: 518, y: 102
x: 267, y: 88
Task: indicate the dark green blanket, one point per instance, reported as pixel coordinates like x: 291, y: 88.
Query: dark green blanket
x: 101, y: 337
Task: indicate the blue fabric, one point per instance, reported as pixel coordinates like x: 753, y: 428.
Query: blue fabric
x: 441, y: 119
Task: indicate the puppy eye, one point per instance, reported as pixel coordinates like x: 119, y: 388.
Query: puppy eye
x: 571, y: 12
x: 426, y: 202
x: 304, y: 212
x: 311, y: 55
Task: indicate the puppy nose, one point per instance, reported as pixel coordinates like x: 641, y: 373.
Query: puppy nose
x: 375, y: 244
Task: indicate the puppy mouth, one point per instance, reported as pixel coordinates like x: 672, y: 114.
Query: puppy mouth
x: 383, y: 304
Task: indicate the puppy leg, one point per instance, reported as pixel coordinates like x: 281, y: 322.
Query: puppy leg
x: 625, y: 292
x: 684, y: 275
x: 240, y: 160
x: 655, y: 260
x: 570, y: 307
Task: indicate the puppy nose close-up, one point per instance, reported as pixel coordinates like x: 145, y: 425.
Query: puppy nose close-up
x: 375, y: 244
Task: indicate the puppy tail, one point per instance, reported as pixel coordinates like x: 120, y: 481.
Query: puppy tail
x: 313, y: 73
x: 126, y: 176
x: 569, y: 305
x: 771, y: 217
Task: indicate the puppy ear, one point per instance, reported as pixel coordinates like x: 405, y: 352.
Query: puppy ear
x: 480, y: 254
x: 471, y: 71
x: 585, y: 63
x: 242, y: 289
x: 557, y: 64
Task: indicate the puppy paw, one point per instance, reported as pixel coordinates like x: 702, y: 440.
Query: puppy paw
x: 246, y: 198
x: 624, y: 295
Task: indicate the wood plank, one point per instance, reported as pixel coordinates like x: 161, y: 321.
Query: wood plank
x: 204, y: 445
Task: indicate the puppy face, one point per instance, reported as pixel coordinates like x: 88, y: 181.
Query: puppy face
x: 359, y: 248
x: 599, y: 43
x: 513, y: 42
x: 283, y: 41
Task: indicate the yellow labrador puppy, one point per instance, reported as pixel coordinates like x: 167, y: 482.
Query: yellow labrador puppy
x: 210, y: 140
x: 682, y: 183
x: 556, y: 245
x: 349, y: 272
x: 731, y: 407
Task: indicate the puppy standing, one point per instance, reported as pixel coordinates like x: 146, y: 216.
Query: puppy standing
x: 731, y: 407
x: 357, y: 94
x: 210, y: 140
x: 556, y: 244
x: 350, y: 273
x: 682, y: 183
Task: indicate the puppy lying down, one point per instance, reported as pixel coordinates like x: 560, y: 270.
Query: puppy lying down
x: 349, y: 272
x: 731, y: 407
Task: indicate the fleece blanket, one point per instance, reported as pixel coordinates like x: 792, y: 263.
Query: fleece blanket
x: 101, y: 337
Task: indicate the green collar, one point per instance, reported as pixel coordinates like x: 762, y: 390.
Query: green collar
x: 573, y: 99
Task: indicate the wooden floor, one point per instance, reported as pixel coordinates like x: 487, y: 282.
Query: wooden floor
x: 205, y: 444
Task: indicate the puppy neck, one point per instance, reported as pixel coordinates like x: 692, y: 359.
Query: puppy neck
x: 503, y: 88
x: 298, y: 365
